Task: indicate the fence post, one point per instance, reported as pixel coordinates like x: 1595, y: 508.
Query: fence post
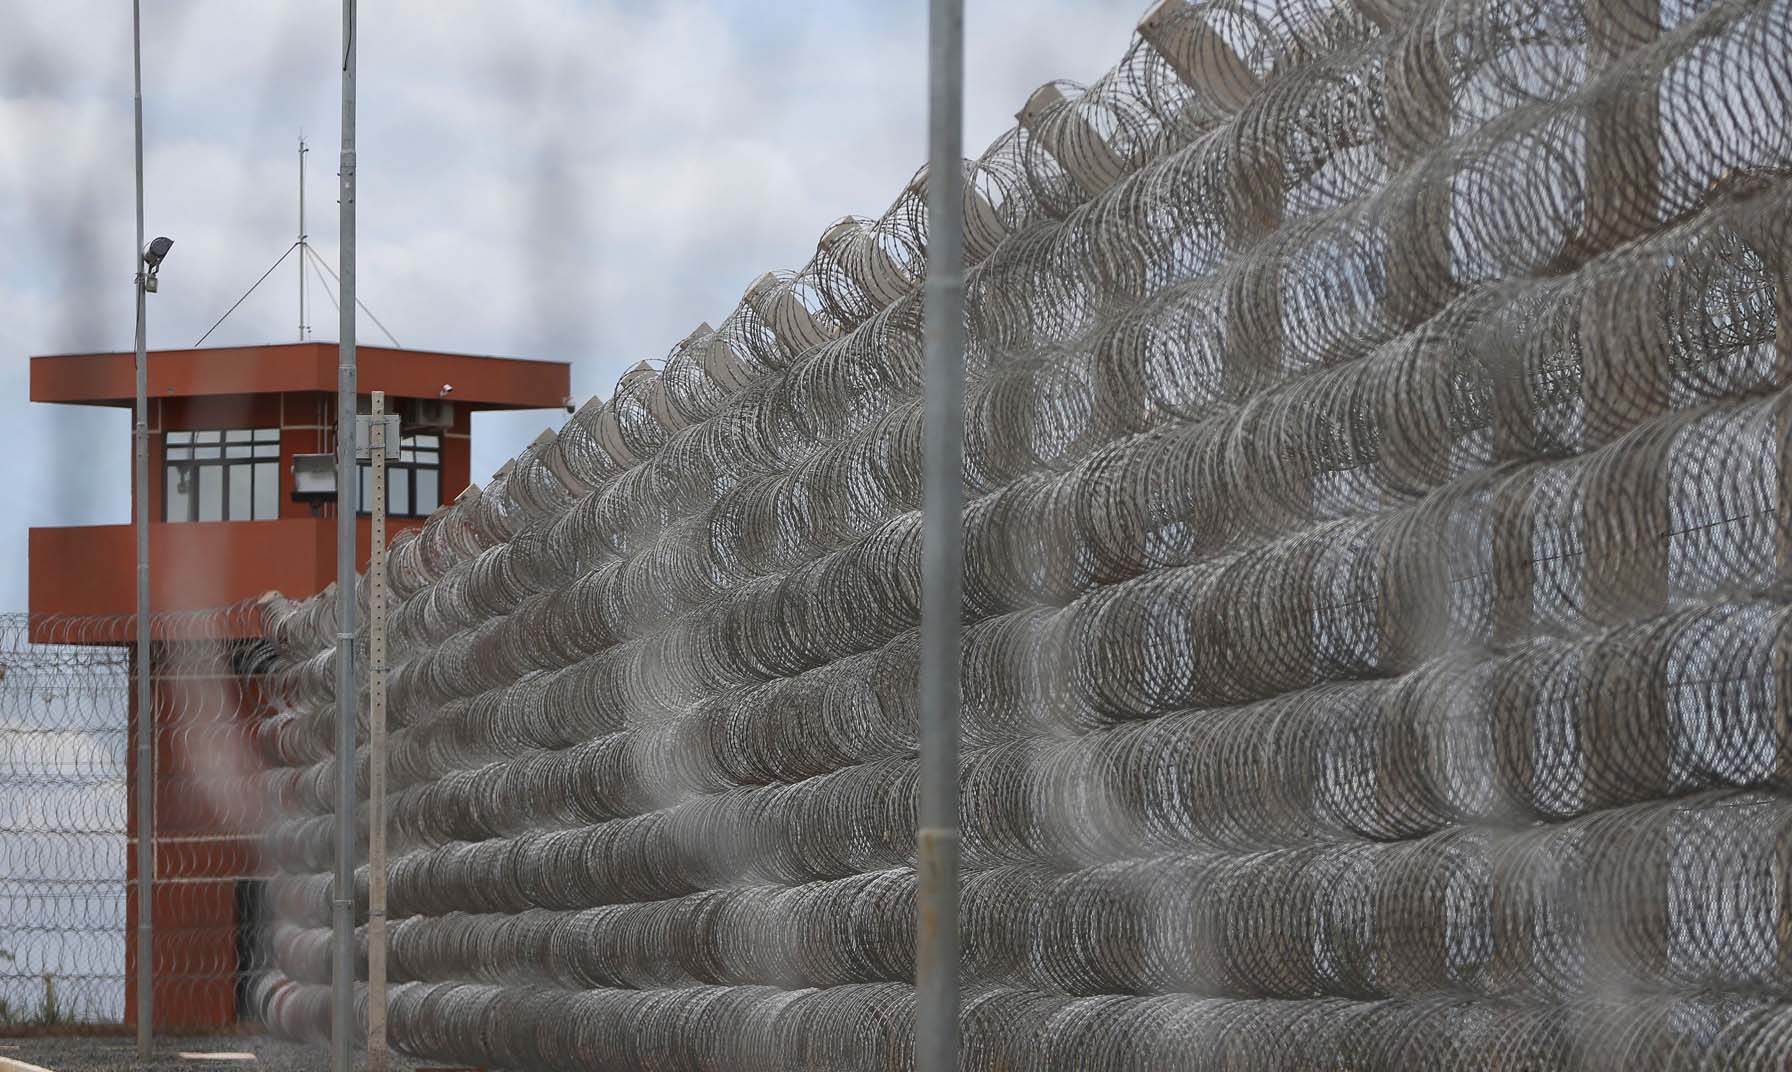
x: 377, y: 1058
x: 347, y: 485
x: 937, y: 841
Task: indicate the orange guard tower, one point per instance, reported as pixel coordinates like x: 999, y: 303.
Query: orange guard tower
x: 224, y: 426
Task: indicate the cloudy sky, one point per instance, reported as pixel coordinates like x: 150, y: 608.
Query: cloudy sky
x: 582, y: 181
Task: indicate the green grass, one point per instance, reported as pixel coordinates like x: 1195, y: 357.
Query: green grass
x: 51, y: 1014
x: 53, y: 1011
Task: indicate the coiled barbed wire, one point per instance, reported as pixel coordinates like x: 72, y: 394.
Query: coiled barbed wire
x: 1477, y: 911
x: 1109, y: 652
x: 67, y: 727
x: 1377, y: 560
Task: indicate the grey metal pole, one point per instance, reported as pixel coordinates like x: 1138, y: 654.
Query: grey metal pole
x: 146, y: 753
x: 377, y: 1058
x: 937, y: 841
x: 347, y: 488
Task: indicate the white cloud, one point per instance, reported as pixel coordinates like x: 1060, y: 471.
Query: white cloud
x: 578, y: 181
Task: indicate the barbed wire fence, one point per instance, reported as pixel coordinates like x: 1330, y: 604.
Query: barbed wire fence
x: 62, y: 829
x: 67, y: 821
x: 1376, y: 597
x: 1377, y: 652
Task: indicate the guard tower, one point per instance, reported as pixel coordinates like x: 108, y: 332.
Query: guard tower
x: 225, y: 424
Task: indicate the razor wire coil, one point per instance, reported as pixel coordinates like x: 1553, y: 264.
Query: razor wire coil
x: 1375, y: 584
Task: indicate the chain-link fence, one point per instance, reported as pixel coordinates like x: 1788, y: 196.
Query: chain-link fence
x: 1376, y: 591
x: 68, y: 821
x: 63, y: 827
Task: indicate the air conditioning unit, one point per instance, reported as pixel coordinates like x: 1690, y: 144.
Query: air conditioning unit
x: 426, y: 414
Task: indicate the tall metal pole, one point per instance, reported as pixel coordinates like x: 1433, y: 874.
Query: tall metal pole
x: 146, y: 754
x: 347, y: 487
x: 376, y: 745
x: 937, y: 840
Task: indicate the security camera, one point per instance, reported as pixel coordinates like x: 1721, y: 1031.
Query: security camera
x: 447, y: 389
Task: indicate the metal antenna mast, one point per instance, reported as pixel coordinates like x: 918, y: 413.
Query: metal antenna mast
x: 304, y: 328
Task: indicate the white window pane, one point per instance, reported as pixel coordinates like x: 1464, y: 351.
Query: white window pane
x: 211, y: 493
x: 241, y: 504
x: 237, y: 435
x: 267, y: 491
x: 179, y: 503
x: 429, y: 491
x: 267, y: 435
x: 207, y: 437
x: 180, y: 437
x: 398, y: 492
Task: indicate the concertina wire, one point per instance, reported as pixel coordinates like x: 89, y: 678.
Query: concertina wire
x: 1377, y: 560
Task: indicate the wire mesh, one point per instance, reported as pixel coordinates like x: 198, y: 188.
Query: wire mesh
x: 68, y: 728
x: 1377, y: 561
x: 62, y: 828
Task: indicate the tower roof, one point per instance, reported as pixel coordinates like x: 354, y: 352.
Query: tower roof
x: 479, y: 382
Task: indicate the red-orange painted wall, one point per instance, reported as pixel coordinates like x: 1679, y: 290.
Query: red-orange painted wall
x: 89, y: 570
x: 207, y: 820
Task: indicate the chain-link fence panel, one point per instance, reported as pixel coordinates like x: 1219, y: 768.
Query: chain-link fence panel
x: 63, y: 826
x: 69, y: 827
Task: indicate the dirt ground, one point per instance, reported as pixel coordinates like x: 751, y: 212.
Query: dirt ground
x: 117, y: 1054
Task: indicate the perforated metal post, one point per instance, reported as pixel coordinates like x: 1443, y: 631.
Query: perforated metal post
x: 377, y: 1057
x: 937, y: 842
x: 1781, y: 268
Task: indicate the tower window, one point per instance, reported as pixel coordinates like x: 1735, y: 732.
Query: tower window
x: 413, y: 482
x: 228, y: 474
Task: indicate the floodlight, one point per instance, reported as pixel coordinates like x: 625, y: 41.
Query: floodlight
x: 157, y: 250
x: 153, y: 257
x: 314, y: 478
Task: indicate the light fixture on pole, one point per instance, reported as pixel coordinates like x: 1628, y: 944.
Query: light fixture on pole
x: 152, y: 260
x: 149, y: 263
x: 144, y: 282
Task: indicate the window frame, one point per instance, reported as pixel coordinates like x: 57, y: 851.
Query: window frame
x: 414, y: 457
x: 196, y: 452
